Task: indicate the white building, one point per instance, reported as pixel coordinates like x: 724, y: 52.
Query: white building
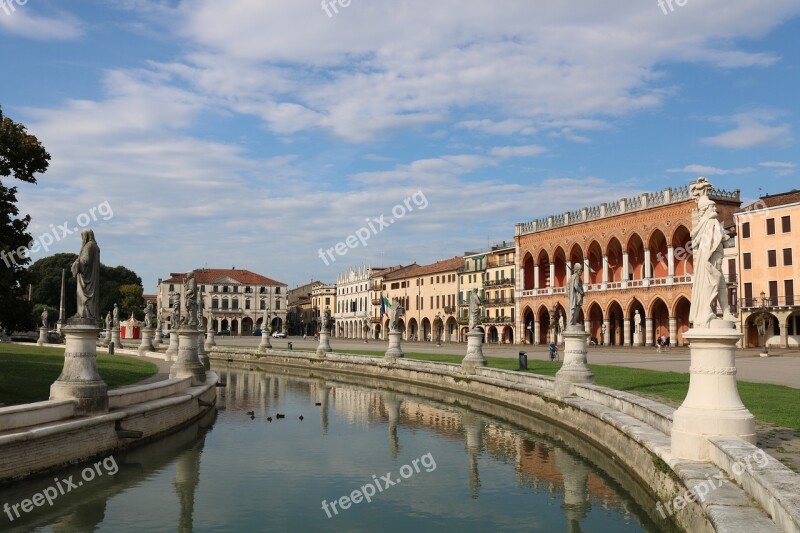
x: 238, y: 299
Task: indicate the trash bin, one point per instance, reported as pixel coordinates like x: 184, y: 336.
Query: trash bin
x: 111, y: 348
x: 523, y: 360
x: 290, y: 346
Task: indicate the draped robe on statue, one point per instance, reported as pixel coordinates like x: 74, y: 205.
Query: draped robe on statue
x: 707, y: 240
x: 87, y: 271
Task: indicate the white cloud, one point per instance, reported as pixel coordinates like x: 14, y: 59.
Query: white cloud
x: 503, y: 127
x: 781, y: 168
x: 518, y: 151
x: 752, y: 129
x: 705, y: 170
x: 21, y: 21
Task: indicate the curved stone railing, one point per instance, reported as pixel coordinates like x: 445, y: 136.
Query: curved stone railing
x: 635, y: 430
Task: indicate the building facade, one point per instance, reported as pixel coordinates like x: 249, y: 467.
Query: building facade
x: 429, y: 294
x: 769, y: 250
x: 300, y: 318
x: 239, y: 299
x: 322, y: 297
x: 637, y: 267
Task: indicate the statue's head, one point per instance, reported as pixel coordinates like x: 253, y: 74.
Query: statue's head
x: 87, y: 235
x: 577, y: 268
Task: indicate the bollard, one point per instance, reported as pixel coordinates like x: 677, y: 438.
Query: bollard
x: 523, y: 360
x: 111, y: 348
x: 289, y: 344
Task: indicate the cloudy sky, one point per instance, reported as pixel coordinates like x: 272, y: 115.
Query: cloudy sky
x: 253, y: 133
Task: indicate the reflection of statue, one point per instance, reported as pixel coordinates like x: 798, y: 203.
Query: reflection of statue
x: 575, y: 288
x: 116, y: 316
x: 148, y: 316
x: 708, y: 240
x: 637, y: 323
x: 190, y: 296
x: 44, y: 318
x: 108, y: 320
x: 474, y: 309
x: 395, y: 313
x: 86, y: 269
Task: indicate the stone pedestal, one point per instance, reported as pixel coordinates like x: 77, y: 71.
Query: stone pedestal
x: 115, y: 338
x: 575, y: 368
x: 157, y: 338
x: 43, y: 336
x: 712, y: 406
x: 638, y: 338
x: 324, y: 343
x: 174, y: 342
x: 265, y: 344
x: 107, y: 338
x: 395, y: 351
x: 188, y: 362
x: 147, y: 341
x: 474, y: 357
x: 201, y: 350
x: 79, y: 379
x: 210, y: 342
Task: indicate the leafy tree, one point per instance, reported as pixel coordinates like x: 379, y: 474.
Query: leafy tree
x: 45, y: 275
x: 21, y: 156
x: 131, y: 301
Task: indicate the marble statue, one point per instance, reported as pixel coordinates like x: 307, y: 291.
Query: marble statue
x: 560, y: 321
x: 210, y: 321
x: 116, y: 316
x: 44, y: 318
x: 148, y: 316
x: 396, y: 312
x: 158, y: 321
x: 190, y: 296
x: 86, y: 269
x: 474, y: 310
x: 708, y: 240
x: 176, y: 311
x: 576, y: 292
x: 637, y: 323
x: 326, y: 319
x: 108, y: 320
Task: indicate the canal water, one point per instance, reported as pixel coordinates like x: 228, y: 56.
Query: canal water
x: 366, y: 456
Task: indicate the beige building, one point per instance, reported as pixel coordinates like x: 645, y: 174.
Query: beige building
x: 322, y: 297
x: 492, y: 274
x: 237, y: 298
x: 769, y: 251
x: 429, y: 294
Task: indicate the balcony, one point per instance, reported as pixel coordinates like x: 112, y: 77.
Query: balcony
x: 496, y: 320
x: 376, y: 300
x: 375, y: 320
x: 489, y: 302
x: 769, y: 302
x: 507, y: 282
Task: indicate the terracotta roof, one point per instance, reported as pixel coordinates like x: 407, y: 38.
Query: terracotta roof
x: 775, y: 200
x: 207, y: 276
x: 446, y: 265
x: 398, y: 272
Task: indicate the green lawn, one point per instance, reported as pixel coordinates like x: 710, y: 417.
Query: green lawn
x: 26, y: 372
x: 774, y: 404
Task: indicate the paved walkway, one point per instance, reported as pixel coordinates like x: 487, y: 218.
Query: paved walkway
x: 782, y: 368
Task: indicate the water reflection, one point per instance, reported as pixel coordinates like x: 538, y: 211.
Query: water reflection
x: 255, y: 475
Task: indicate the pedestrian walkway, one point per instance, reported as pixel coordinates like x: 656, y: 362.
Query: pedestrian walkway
x: 781, y: 368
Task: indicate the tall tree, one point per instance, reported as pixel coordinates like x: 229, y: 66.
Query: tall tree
x: 21, y: 157
x: 131, y: 301
x: 45, y: 276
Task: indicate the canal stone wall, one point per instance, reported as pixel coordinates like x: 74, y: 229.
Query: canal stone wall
x: 634, y: 430
x: 44, y: 436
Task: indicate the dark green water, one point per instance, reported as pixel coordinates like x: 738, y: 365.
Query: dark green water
x: 453, y: 464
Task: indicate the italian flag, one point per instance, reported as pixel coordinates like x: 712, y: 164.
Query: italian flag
x: 385, y: 305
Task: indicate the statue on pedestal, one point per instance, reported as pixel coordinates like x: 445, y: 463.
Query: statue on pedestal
x: 44, y: 318
x: 474, y: 309
x: 148, y: 316
x: 116, y: 316
x: 395, y: 313
x: 108, y: 320
x: 637, y: 323
x: 86, y: 269
x: 210, y: 321
x: 190, y: 294
x: 709, y: 239
x: 175, y: 318
x: 576, y: 293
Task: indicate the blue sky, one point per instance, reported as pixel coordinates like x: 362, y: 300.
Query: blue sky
x: 255, y: 133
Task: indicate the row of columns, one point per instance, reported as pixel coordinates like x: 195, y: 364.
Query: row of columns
x: 586, y: 270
